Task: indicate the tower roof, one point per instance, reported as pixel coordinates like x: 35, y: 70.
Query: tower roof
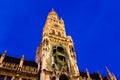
x: 52, y: 12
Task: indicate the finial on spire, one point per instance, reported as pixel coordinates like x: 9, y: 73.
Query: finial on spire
x: 52, y: 13
x: 5, y: 51
x: 52, y: 9
x: 114, y: 76
x: 87, y: 73
x: 61, y: 20
x: 111, y: 75
x: 100, y: 75
x: 3, y: 56
x: 86, y: 70
x: 21, y: 61
x: 107, y: 69
x: 98, y: 72
x: 23, y: 56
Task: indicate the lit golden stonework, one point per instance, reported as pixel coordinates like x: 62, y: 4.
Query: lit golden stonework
x: 55, y: 56
x: 17, y: 69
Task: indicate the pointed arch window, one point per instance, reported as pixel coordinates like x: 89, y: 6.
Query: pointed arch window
x: 71, y: 48
x: 53, y: 32
x: 59, y: 34
x: 45, y: 41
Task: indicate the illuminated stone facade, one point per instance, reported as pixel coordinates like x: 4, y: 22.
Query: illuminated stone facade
x: 17, y: 69
x: 55, y: 58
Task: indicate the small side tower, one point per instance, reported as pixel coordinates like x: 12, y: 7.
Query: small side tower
x: 2, y: 58
x: 56, y: 57
x: 111, y: 76
x: 21, y: 61
x: 88, y: 74
x: 100, y: 75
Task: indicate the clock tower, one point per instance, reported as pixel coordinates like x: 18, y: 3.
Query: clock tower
x: 56, y: 57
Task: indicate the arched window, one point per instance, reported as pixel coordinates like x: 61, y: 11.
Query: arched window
x: 59, y: 34
x: 45, y: 41
x: 53, y: 32
x: 71, y: 48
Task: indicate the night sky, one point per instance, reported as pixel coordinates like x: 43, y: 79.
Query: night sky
x: 93, y: 24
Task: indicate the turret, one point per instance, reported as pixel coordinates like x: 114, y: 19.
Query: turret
x: 100, y: 75
x: 114, y: 76
x: 88, y: 75
x: 52, y: 15
x: 2, y: 57
x: 111, y: 76
x: 21, y: 61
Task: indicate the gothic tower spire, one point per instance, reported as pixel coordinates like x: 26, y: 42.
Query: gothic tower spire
x: 54, y: 25
x: 56, y: 57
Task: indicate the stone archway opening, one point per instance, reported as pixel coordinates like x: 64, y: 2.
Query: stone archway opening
x: 63, y: 77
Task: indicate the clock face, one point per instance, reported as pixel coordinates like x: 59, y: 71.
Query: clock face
x: 56, y: 25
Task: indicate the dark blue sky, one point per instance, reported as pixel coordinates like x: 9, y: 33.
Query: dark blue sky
x: 93, y: 24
